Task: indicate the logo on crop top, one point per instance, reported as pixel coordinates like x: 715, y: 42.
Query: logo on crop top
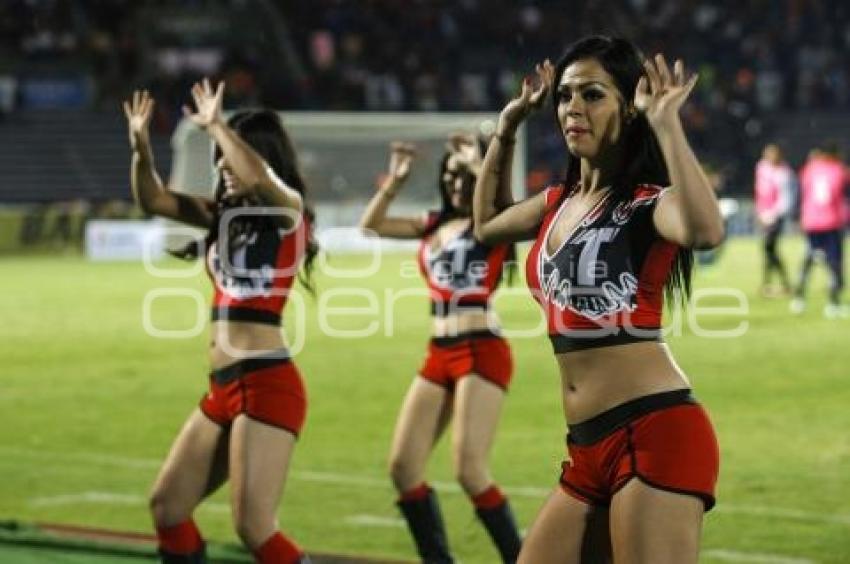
x: 576, y: 279
x: 458, y: 265
x: 250, y: 259
x: 625, y: 210
x: 594, y: 303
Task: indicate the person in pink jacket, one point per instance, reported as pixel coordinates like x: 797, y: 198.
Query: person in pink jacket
x: 823, y: 210
x: 773, y: 194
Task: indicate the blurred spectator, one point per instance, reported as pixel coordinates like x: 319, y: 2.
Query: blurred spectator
x: 32, y: 225
x: 62, y: 223
x: 62, y: 229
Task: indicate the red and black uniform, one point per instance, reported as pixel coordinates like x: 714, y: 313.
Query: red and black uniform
x: 462, y: 275
x: 252, y: 280
x: 604, y: 286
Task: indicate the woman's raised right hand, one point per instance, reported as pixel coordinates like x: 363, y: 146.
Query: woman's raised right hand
x: 530, y: 98
x: 138, y: 111
x: 401, y: 157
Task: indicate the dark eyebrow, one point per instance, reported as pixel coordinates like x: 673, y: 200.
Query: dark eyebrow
x: 583, y: 85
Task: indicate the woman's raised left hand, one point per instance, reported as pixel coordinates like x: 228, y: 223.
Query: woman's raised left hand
x: 660, y: 94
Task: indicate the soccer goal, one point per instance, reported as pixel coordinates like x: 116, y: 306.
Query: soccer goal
x: 342, y: 155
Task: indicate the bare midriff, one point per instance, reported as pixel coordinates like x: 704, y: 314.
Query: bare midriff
x: 595, y: 380
x: 231, y: 341
x: 458, y: 323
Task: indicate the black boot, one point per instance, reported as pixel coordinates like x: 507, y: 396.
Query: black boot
x: 426, y: 525
x: 198, y: 557
x: 501, y: 525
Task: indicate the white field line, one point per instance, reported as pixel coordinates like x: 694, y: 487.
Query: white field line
x: 332, y: 478
x: 106, y: 498
x: 86, y: 457
x: 784, y: 513
x: 362, y: 520
x: 757, y: 557
x: 384, y: 483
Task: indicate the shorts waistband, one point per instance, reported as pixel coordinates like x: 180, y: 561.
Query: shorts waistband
x: 581, y: 339
x: 245, y: 366
x: 466, y: 336
x: 600, y: 426
x: 226, y: 313
x: 443, y: 309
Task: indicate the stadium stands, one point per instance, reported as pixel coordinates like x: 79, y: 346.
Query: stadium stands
x: 757, y: 62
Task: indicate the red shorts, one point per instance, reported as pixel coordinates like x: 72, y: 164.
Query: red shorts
x: 478, y: 352
x: 268, y: 389
x: 665, y: 440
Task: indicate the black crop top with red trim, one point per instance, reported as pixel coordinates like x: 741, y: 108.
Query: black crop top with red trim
x: 605, y: 284
x: 253, y: 283
x: 463, y: 274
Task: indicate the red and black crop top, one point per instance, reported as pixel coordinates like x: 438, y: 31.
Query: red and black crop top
x: 463, y: 273
x: 605, y: 284
x: 253, y: 283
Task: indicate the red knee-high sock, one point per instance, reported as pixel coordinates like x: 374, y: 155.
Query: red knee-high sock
x: 183, y: 538
x: 278, y: 550
x: 490, y: 498
x: 417, y: 493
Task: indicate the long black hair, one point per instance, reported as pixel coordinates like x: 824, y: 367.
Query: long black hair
x: 643, y: 161
x: 448, y: 211
x: 264, y: 132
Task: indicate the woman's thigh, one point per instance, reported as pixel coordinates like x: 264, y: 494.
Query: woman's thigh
x: 422, y: 419
x: 196, y: 465
x: 259, y: 461
x: 654, y: 526
x: 561, y: 531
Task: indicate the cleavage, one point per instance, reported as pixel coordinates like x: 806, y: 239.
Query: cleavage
x: 570, y: 217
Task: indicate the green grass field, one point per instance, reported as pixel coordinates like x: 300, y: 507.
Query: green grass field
x: 90, y: 403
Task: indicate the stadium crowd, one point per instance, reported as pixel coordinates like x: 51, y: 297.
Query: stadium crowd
x: 755, y: 57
